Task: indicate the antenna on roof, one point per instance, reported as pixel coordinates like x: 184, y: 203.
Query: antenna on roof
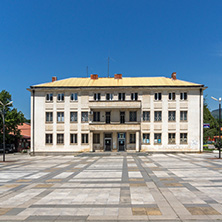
x: 87, y: 71
x: 108, y: 66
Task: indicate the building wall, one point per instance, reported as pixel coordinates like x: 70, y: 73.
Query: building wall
x: 85, y: 103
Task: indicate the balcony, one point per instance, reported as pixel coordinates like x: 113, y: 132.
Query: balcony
x: 115, y: 104
x: 114, y: 126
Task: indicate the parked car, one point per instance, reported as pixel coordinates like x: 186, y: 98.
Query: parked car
x: 9, y: 148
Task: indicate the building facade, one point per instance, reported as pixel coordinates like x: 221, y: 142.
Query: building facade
x: 156, y: 114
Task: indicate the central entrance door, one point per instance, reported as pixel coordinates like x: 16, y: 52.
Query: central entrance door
x: 108, y: 142
x: 121, y: 141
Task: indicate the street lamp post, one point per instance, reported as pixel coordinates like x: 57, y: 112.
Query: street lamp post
x: 3, y: 118
x: 219, y: 100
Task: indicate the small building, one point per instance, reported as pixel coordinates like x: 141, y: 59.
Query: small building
x: 142, y: 114
x: 25, y: 131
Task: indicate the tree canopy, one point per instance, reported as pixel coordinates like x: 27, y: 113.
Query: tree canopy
x: 208, y: 118
x: 13, y: 118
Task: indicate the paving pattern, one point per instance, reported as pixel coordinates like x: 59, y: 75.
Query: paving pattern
x: 111, y: 187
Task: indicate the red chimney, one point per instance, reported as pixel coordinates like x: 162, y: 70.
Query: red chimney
x: 174, y: 76
x: 94, y: 76
x: 118, y: 76
x: 54, y: 78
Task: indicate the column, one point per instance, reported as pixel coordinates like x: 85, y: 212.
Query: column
x: 91, y: 141
x: 137, y: 141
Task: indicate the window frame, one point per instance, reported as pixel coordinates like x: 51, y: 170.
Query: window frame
x: 60, y: 119
x: 134, y: 96
x: 50, y: 117
x: 157, y: 139
x: 156, y: 116
x: 183, y: 138
x: 60, y: 141
x: 108, y: 117
x: 84, y: 119
x: 182, y: 112
x: 96, y: 116
x: 172, y: 118
x: 121, y: 96
x: 110, y: 95
x: 146, y: 118
x: 158, y: 96
x: 75, y: 118
x: 183, y: 96
x: 122, y: 116
x: 135, y: 116
x: 145, y: 139
x: 132, y: 138
x: 49, y: 97
x: 47, y: 139
x: 73, y: 138
x: 172, y: 96
x: 171, y: 138
x: 97, y: 96
x: 84, y: 138
x: 96, y: 138
x: 74, y: 97
x: 60, y: 97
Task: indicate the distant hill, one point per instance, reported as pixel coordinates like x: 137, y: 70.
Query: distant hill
x: 215, y: 113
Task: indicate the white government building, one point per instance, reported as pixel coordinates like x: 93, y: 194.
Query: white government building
x: 143, y: 114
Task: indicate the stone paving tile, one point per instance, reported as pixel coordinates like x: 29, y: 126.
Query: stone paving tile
x: 111, y: 187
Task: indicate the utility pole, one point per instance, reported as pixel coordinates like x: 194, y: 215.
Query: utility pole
x: 219, y: 127
x: 3, y: 118
x: 219, y: 100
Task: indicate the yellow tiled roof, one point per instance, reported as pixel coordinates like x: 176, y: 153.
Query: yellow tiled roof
x: 111, y: 82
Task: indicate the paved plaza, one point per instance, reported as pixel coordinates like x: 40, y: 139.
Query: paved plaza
x: 111, y: 187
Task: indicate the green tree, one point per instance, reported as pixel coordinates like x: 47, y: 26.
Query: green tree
x: 13, y: 118
x: 208, y: 118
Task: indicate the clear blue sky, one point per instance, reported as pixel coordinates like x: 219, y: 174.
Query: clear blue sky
x: 40, y: 39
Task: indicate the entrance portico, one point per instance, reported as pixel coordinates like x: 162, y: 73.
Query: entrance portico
x: 115, y: 141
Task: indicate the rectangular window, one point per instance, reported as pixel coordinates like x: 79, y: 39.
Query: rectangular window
x: 146, y: 138
x: 73, y: 117
x: 172, y: 96
x: 183, y: 96
x: 133, y: 138
x: 60, y: 116
x: 60, y: 138
x: 158, y: 116
x: 172, y: 115
x: 74, y: 97
x: 183, y: 115
x: 121, y: 96
x: 49, y: 97
x: 171, y: 138
x: 122, y: 117
x: 48, y: 138
x: 133, y: 116
x: 146, y: 115
x: 96, y: 138
x: 73, y: 138
x: 134, y: 96
x: 49, y: 116
x: 109, y: 96
x: 157, y: 138
x: 183, y: 138
x: 84, y: 117
x: 96, y: 116
x: 158, y: 96
x: 97, y: 96
x: 84, y: 138
x: 60, y: 97
x: 108, y: 117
